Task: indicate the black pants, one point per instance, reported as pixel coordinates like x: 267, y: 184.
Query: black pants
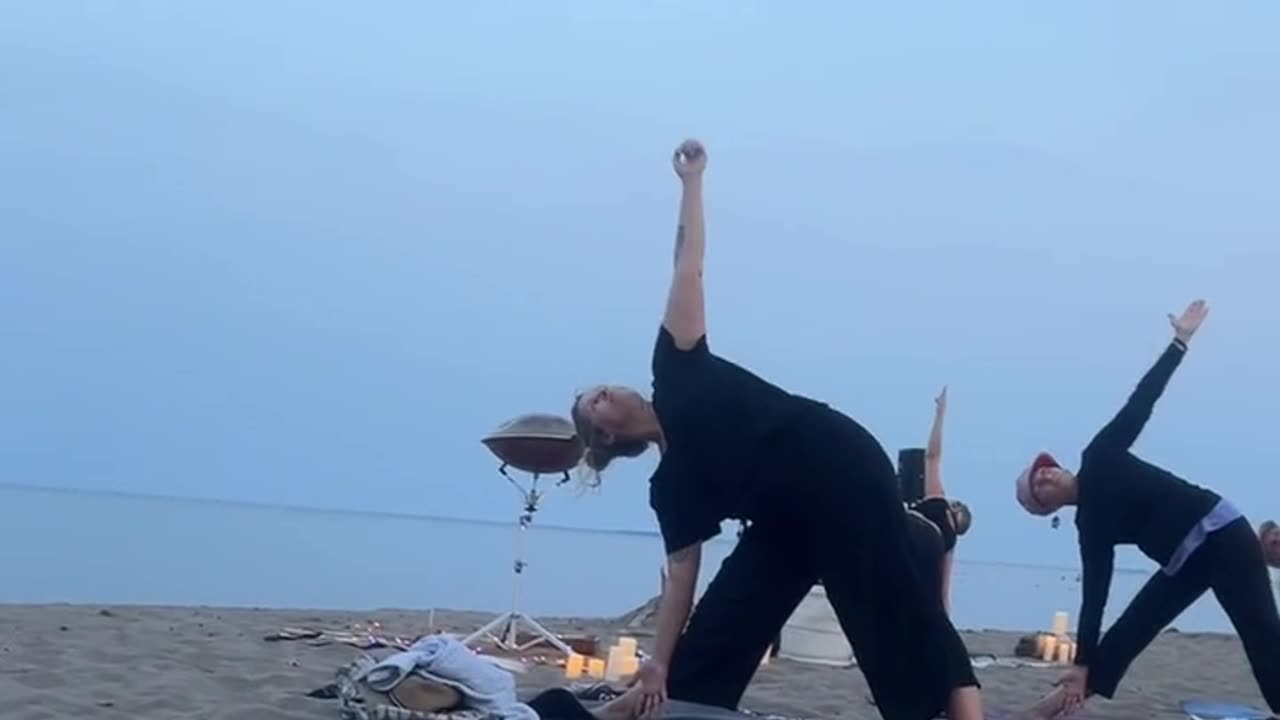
x: 1230, y: 563
x: 836, y: 516
x: 559, y: 704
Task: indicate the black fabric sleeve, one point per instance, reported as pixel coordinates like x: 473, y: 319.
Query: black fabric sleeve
x: 670, y: 363
x: 684, y: 519
x: 1120, y: 434
x: 684, y: 530
x: 1098, y: 559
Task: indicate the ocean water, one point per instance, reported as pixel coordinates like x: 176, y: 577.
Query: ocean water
x: 79, y: 547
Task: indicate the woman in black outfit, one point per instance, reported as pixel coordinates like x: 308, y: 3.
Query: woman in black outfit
x: 560, y: 704
x: 821, y: 497
x: 1200, y: 540
x: 934, y: 522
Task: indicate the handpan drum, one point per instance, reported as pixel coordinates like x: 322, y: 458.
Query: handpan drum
x: 536, y: 443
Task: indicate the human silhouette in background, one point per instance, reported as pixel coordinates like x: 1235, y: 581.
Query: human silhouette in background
x: 936, y: 522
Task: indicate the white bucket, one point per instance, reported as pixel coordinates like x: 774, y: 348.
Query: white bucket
x: 813, y: 634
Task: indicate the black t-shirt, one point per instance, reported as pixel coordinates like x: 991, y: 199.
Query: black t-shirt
x: 927, y: 549
x: 714, y: 415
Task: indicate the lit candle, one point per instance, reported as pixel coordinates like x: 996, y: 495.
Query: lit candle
x: 595, y: 668
x: 1064, y: 651
x: 1060, y: 623
x: 1050, y: 648
x: 574, y: 666
x: 628, y: 645
x: 613, y: 668
x: 628, y: 665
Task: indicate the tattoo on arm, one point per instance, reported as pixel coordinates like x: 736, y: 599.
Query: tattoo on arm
x: 679, y: 243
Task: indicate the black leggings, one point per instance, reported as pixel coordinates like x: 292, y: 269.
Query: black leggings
x: 837, y: 518
x: 559, y: 704
x: 1230, y: 563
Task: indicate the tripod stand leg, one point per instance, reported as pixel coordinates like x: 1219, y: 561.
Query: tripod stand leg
x: 541, y: 634
x: 503, y: 621
x: 504, y: 630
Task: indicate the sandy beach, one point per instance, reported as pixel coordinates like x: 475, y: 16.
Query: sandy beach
x: 63, y: 661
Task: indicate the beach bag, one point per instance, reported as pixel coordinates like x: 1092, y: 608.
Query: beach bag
x: 416, y: 697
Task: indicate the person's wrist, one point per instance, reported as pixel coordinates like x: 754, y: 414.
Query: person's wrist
x: 692, y: 180
x: 1182, y: 340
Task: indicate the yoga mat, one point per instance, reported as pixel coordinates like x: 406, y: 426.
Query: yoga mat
x: 1200, y: 709
x: 1008, y: 661
x: 680, y: 710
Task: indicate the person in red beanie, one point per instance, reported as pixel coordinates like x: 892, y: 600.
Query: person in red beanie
x: 1200, y: 540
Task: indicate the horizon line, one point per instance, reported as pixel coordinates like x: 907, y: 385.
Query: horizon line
x: 461, y: 520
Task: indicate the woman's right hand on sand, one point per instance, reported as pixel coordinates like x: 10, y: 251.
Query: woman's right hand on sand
x: 652, y: 681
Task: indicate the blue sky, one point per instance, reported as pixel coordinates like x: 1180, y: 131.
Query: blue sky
x: 309, y: 253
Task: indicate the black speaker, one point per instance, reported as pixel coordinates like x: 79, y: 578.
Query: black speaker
x: 911, y: 474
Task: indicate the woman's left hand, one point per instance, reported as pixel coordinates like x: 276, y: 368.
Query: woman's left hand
x: 1074, y: 683
x: 1186, y: 324
x: 940, y: 402
x: 689, y: 159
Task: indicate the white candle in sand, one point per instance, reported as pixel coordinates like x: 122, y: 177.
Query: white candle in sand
x: 1050, y: 649
x: 628, y: 665
x: 1060, y: 623
x: 574, y: 666
x: 613, y: 667
x: 1064, y: 652
x: 628, y: 645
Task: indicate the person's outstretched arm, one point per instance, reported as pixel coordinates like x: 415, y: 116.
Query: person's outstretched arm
x: 1124, y: 428
x: 933, y: 451
x: 1097, y: 563
x: 933, y: 484
x: 673, y: 614
x: 683, y: 567
x: 685, y: 317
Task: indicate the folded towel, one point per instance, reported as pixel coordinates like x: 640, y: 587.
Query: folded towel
x: 484, y: 686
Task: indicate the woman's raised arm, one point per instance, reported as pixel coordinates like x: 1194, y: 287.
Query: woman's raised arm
x: 1123, y: 430
x: 933, y: 451
x: 685, y: 317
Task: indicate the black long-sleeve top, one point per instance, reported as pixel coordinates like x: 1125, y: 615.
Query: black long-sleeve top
x: 1124, y: 500
x: 715, y: 417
